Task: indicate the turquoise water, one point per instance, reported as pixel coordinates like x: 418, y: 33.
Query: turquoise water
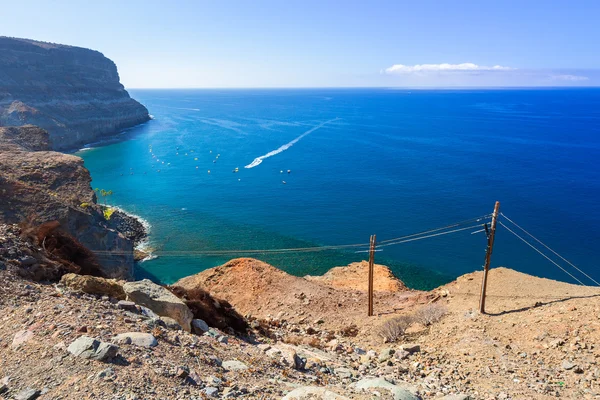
x: 362, y: 162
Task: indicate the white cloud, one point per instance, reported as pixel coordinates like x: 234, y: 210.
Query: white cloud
x: 570, y: 78
x: 444, y: 67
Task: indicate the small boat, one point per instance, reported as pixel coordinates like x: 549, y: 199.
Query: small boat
x: 284, y: 182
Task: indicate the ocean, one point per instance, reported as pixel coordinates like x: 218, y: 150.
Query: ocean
x: 220, y: 172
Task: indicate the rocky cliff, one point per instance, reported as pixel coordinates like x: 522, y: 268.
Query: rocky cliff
x: 38, y: 186
x: 73, y: 93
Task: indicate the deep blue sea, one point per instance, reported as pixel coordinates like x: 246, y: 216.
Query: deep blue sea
x: 361, y: 162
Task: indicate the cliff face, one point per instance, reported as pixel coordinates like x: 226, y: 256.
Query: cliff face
x: 73, y: 93
x: 38, y: 185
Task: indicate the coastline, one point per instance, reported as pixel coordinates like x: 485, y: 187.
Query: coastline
x: 134, y: 228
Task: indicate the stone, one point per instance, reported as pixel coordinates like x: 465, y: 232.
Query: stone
x: 137, y: 339
x: 567, y: 365
x: 397, y: 392
x: 292, y: 359
x: 160, y: 300
x: 87, y: 347
x: 21, y: 337
x: 106, y: 374
x: 171, y: 323
x: 199, y: 326
x: 194, y: 378
x: 182, y: 372
x: 127, y: 305
x: 223, y: 339
x: 313, y: 392
x: 273, y: 353
x: 28, y: 394
x: 93, y: 285
x: 410, y: 348
x: 386, y: 354
x: 234, y: 365
x: 146, y: 312
x: 457, y: 397
x: 27, y: 261
x: 211, y: 391
x: 3, y: 388
x: 343, y: 372
x: 264, y: 347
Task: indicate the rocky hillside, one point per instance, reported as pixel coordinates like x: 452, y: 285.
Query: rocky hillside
x: 73, y: 93
x: 39, y: 186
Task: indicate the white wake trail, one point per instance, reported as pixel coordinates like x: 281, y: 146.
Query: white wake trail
x: 258, y: 160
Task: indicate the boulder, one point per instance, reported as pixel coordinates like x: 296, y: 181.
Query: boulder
x: 87, y: 347
x: 160, y: 300
x: 94, y: 285
x: 137, y: 339
x: 199, y: 326
x: 398, y: 393
x: 312, y: 392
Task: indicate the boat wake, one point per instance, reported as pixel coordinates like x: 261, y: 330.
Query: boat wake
x: 258, y: 160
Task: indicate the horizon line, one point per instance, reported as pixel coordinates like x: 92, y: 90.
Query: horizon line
x: 366, y: 87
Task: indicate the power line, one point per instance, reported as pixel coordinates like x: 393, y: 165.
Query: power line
x: 429, y: 236
x: 547, y: 247
x: 388, y: 242
x: 539, y: 251
x: 438, y: 229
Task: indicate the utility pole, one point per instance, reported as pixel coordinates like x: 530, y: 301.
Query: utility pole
x: 488, y: 257
x: 371, y: 264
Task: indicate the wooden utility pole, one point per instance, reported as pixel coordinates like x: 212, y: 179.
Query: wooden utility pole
x: 371, y: 264
x: 488, y: 257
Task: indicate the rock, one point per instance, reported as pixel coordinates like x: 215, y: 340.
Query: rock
x: 273, y: 353
x: 182, y: 372
x: 28, y: 394
x: 199, y: 326
x: 343, y: 372
x: 457, y: 397
x: 127, y: 305
x: 27, y: 261
x: 171, y: 323
x: 87, y: 347
x: 223, y: 339
x: 567, y: 365
x: 410, y: 348
x: 264, y: 347
x: 146, y: 312
x: 359, y: 351
x: 160, y: 300
x: 312, y: 393
x: 194, y: 378
x: 211, y: 391
x: 93, y: 285
x: 397, y: 392
x: 137, y: 339
x: 292, y: 359
x: 386, y: 354
x: 234, y: 365
x: 3, y: 388
x: 21, y: 337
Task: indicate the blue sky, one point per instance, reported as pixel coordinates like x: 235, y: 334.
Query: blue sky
x: 323, y: 43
